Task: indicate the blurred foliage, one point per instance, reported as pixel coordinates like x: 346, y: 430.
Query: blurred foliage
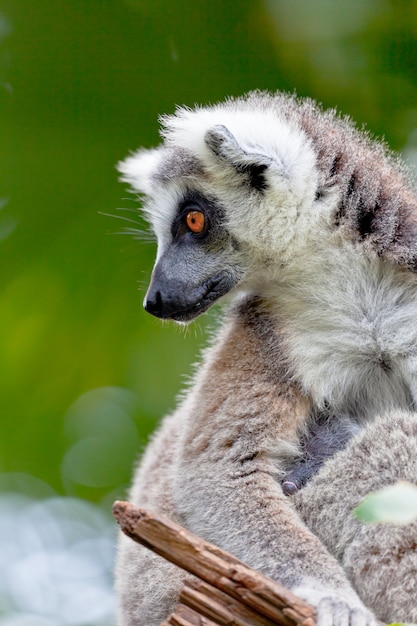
x: 395, y: 504
x: 85, y: 373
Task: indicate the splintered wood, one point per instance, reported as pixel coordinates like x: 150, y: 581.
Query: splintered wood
x: 229, y: 593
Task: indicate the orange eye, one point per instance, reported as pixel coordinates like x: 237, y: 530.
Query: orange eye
x: 195, y: 221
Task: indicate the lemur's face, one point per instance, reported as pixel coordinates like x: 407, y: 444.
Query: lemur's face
x: 198, y: 260
x: 223, y: 210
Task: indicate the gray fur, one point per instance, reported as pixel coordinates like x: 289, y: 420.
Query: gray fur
x: 178, y: 164
x: 379, y: 559
x: 311, y: 227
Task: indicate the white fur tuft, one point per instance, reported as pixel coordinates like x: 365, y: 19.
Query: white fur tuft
x: 137, y: 169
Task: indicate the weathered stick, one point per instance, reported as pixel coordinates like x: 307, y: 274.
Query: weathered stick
x: 215, y: 566
x: 221, y: 608
x: 184, y: 616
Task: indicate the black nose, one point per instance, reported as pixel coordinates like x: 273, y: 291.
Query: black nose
x: 153, y: 302
x: 174, y: 300
x: 164, y: 300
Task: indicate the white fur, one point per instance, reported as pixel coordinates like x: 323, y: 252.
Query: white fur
x: 256, y: 131
x: 137, y: 169
x: 345, y: 315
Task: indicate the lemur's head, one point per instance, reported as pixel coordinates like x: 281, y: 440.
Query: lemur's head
x: 226, y: 194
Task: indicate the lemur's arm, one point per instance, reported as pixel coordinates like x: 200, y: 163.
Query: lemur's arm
x: 245, y: 417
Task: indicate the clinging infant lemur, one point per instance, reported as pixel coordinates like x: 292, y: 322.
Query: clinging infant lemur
x: 312, y: 228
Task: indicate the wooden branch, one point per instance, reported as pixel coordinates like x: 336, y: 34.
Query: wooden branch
x: 223, y: 609
x: 234, y: 593
x: 184, y: 616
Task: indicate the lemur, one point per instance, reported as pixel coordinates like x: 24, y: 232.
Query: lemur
x: 310, y: 227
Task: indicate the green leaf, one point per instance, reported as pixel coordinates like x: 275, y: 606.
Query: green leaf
x: 395, y: 504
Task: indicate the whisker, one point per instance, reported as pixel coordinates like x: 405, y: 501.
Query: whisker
x: 137, y: 233
x: 127, y: 209
x: 143, y: 285
x: 129, y: 199
x: 119, y: 217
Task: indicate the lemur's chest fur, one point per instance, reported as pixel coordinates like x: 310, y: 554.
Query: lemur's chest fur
x: 352, y: 333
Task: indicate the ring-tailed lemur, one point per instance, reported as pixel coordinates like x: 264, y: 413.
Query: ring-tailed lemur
x: 312, y: 228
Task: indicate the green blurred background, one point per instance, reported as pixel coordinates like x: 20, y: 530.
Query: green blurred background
x: 85, y: 373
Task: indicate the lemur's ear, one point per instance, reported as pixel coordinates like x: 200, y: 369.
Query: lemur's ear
x: 251, y: 164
